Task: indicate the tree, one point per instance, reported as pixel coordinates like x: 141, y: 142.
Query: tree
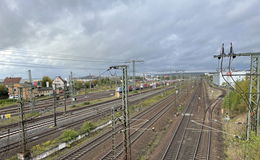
x: 235, y: 101
x: 78, y: 85
x: 3, y: 92
x: 46, y: 79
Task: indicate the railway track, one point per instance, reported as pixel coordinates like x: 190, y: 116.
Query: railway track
x: 205, y: 137
x: 193, y: 140
x: 28, y: 121
x: 73, y: 124
x: 84, y: 149
x: 173, y: 149
x: 47, y: 103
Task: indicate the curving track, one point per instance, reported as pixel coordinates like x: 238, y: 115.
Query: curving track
x: 152, y: 114
x: 80, y: 151
x: 192, y: 137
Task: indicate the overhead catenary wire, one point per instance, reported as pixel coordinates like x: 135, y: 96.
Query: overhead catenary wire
x: 221, y: 71
x: 231, y: 58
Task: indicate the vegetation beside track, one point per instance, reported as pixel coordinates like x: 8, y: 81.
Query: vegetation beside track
x: 65, y: 136
x: 233, y: 103
x: 93, y: 124
x: 15, y: 119
x: 7, y: 102
x: 235, y: 106
x: 236, y: 149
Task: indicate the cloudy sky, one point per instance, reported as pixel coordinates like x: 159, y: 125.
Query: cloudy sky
x: 87, y: 36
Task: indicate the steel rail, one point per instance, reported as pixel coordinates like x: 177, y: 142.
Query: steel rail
x: 47, y: 133
x: 97, y: 141
x: 168, y: 153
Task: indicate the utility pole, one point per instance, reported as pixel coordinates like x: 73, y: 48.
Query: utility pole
x: 133, y: 62
x: 253, y: 98
x: 127, y: 142
x: 71, y: 89
x: 31, y: 91
x: 65, y: 99
x: 25, y: 154
x: 54, y: 106
x: 85, y: 86
x: 113, y: 133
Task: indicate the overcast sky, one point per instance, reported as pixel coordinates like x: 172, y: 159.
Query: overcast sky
x: 54, y: 37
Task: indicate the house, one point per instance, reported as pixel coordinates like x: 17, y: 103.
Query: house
x: 9, y: 81
x: 59, y: 83
x: 46, y: 91
x: 226, y: 78
x: 13, y: 90
x: 12, y: 84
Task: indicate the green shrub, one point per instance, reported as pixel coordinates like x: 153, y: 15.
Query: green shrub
x: 86, y: 103
x: 86, y: 127
x: 251, y: 147
x: 233, y: 101
x: 68, y: 135
x: 7, y: 101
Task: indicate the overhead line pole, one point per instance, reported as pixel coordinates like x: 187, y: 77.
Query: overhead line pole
x: 71, y: 89
x: 125, y: 111
x: 253, y: 98
x: 25, y: 154
x: 31, y: 91
x: 133, y: 63
x: 54, y: 106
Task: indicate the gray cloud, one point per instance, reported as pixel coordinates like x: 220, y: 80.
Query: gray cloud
x: 166, y: 34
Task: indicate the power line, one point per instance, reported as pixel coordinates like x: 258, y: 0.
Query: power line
x: 253, y: 98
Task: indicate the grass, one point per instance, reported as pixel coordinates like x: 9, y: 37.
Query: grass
x: 7, y: 102
x: 65, y: 136
x: 96, y: 89
x: 15, y: 119
x: 87, y: 126
x: 239, y: 149
x: 69, y: 134
x: 150, y: 101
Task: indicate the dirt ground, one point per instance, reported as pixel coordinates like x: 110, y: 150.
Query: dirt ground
x: 155, y: 152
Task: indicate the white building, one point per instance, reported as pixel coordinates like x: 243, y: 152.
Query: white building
x: 228, y: 77
x: 59, y: 82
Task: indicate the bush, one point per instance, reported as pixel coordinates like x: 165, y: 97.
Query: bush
x: 233, y: 101
x: 86, y: 127
x: 251, y: 147
x: 68, y: 135
x: 7, y: 101
x: 86, y: 103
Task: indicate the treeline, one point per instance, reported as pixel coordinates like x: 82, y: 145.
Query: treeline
x: 94, y: 83
x: 235, y: 101
x: 3, y: 92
